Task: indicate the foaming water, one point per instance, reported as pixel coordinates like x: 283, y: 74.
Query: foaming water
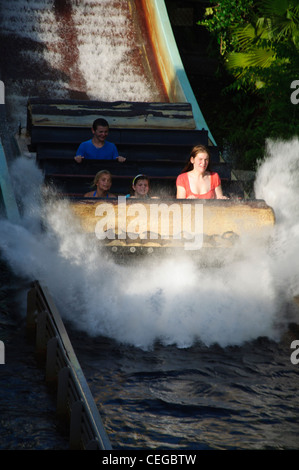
x: 171, y: 300
x: 277, y: 183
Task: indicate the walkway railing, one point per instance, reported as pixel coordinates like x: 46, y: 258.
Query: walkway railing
x: 74, y: 399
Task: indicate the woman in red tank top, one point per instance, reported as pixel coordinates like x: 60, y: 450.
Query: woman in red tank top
x: 197, y: 181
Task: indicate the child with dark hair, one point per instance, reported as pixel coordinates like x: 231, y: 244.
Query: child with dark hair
x: 140, y: 187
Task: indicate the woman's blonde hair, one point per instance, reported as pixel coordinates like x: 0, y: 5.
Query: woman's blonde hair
x: 98, y: 176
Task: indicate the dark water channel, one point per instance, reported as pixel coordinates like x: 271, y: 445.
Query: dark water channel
x: 167, y: 398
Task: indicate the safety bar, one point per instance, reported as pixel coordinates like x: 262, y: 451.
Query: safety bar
x: 74, y: 399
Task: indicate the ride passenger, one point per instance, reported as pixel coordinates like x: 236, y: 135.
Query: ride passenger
x: 196, y: 180
x: 98, y: 148
x: 102, y: 181
x: 140, y: 187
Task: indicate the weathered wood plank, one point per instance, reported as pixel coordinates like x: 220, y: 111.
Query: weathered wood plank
x: 119, y: 114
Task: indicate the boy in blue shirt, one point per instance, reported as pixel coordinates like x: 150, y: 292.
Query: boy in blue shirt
x: 98, y: 148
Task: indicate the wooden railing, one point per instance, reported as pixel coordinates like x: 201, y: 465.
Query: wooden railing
x: 74, y: 399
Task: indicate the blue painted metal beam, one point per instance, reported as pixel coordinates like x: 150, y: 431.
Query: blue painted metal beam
x: 169, y: 54
x: 8, y: 196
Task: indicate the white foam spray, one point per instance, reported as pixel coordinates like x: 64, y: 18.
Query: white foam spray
x: 277, y: 183
x: 173, y: 301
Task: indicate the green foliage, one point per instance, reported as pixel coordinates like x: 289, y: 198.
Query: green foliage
x: 220, y: 16
x: 259, y: 48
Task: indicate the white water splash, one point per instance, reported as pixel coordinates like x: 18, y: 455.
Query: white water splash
x: 171, y: 300
x: 104, y: 33
x: 277, y: 183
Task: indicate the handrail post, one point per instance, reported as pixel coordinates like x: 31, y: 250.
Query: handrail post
x: 75, y: 425
x: 62, y: 391
x: 41, y: 332
x: 51, y: 373
x: 31, y: 310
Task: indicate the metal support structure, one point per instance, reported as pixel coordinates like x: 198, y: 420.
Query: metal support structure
x: 7, y: 196
x: 74, y: 398
x: 6, y: 189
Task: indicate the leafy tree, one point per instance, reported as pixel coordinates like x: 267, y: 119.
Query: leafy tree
x: 219, y: 18
x: 262, y: 42
x: 259, y: 46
